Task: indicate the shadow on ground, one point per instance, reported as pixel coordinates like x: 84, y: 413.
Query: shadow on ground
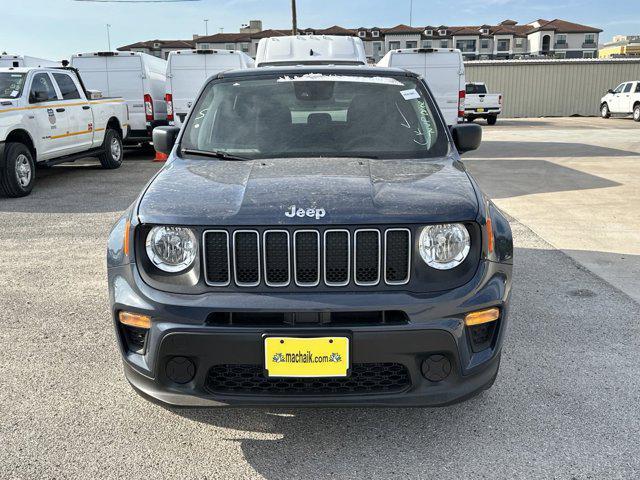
x: 517, y: 149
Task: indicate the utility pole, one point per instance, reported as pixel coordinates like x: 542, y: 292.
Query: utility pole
x: 294, y: 18
x: 206, y: 27
x: 410, y: 13
x: 108, y: 37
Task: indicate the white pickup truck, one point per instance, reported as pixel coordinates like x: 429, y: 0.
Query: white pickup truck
x: 624, y: 100
x: 480, y: 104
x: 47, y: 117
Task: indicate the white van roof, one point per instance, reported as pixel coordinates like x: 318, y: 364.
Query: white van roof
x: 445, y: 55
x: 311, y: 49
x: 243, y: 60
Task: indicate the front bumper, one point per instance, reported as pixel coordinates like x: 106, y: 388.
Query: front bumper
x: 435, y: 326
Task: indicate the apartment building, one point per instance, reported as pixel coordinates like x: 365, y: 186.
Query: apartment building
x: 621, y: 46
x: 158, y: 48
x: 508, y: 39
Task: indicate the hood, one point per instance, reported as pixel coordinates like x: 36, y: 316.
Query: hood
x: 308, y: 191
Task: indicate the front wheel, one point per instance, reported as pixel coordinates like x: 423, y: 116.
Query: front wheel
x: 604, y: 111
x: 18, y: 173
x: 636, y: 113
x: 491, y: 120
x: 111, y: 156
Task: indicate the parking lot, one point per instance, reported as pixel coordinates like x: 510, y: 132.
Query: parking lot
x: 565, y: 404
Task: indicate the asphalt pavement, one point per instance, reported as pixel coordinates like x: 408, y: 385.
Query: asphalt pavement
x: 565, y: 404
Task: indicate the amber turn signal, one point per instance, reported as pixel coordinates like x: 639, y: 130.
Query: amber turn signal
x: 135, y: 320
x: 482, y: 316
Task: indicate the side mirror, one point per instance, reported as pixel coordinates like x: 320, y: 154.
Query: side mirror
x: 467, y: 136
x: 164, y: 138
x: 610, y: 91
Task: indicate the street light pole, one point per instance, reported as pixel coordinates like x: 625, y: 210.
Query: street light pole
x: 108, y: 37
x: 294, y: 18
x: 410, y: 13
x: 206, y: 27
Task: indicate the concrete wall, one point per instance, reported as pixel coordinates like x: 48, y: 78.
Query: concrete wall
x: 552, y: 88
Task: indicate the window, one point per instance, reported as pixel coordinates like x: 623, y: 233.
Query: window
x: 362, y: 33
x: 588, y: 55
x: 377, y: 47
x: 442, y: 32
x: 394, y: 45
x: 590, y: 38
x: 67, y: 86
x: 11, y: 84
x: 504, y: 45
x: 627, y: 88
x: 412, y: 44
x: 428, y: 33
x: 519, y: 42
x: 619, y: 88
x: 375, y: 33
x: 230, y: 46
x: 204, y: 46
x: 484, y: 31
x: 427, y: 43
x: 560, y: 55
x: 444, y: 43
x: 484, y: 43
x: 561, y: 39
x: 244, y: 47
x: 475, y: 88
x: 42, y: 89
x: 466, y: 45
x: 638, y: 87
x: 266, y: 117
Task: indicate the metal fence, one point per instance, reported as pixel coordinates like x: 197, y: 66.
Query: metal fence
x: 552, y: 88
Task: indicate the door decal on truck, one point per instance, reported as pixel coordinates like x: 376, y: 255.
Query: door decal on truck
x: 52, y: 116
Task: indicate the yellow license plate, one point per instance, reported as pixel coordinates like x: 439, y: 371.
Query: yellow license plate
x: 479, y: 109
x: 306, y: 357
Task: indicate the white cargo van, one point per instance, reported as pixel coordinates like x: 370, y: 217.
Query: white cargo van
x: 19, y: 61
x: 137, y: 77
x: 443, y: 70
x: 187, y: 71
x: 310, y: 50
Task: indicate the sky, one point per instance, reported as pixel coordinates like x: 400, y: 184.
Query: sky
x: 56, y: 29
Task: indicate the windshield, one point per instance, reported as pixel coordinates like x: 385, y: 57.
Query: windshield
x: 11, y: 84
x: 312, y: 115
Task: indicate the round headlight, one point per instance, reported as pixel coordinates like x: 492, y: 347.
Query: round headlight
x: 444, y: 246
x: 171, y: 249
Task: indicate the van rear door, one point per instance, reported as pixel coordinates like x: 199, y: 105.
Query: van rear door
x: 443, y: 72
x: 189, y: 71
x: 125, y: 76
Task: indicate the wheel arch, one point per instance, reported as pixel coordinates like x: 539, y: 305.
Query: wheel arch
x: 20, y: 135
x: 114, y: 123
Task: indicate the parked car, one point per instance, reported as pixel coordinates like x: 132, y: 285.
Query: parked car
x: 187, y: 71
x: 310, y: 50
x: 26, y: 61
x: 623, y: 100
x: 480, y: 104
x: 137, y: 77
x: 312, y: 239
x: 47, y: 117
x: 442, y: 68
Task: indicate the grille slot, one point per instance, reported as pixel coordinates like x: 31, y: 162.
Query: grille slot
x: 365, y: 378
x: 337, y: 257
x: 367, y: 257
x: 217, y: 265
x: 246, y: 257
x: 277, y: 272
x: 397, y: 256
x: 306, y: 246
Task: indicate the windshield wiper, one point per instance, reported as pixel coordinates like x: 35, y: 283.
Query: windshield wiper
x: 214, y: 154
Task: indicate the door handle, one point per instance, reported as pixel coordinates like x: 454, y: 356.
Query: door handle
x: 59, y: 109
x: 86, y: 107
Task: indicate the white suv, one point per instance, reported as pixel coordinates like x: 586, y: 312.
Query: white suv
x: 625, y: 99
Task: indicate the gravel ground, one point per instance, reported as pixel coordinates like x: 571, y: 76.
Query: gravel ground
x: 565, y: 405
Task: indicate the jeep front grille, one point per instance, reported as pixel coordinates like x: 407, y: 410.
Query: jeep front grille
x: 307, y: 257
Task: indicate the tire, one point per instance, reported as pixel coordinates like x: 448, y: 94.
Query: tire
x: 604, y: 111
x: 636, y: 113
x: 18, y: 171
x: 112, y: 154
x: 492, y: 119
